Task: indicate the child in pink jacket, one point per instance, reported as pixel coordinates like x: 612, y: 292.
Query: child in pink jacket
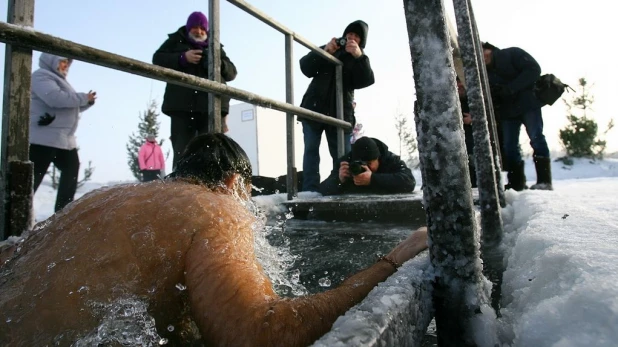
x: 150, y: 158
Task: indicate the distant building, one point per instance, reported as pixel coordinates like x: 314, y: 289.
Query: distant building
x: 261, y: 132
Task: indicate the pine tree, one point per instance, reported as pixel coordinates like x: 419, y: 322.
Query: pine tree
x: 408, y: 148
x: 148, y: 124
x: 579, y: 137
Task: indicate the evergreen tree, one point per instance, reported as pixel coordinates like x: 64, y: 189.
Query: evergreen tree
x: 408, y: 148
x: 579, y: 137
x: 148, y: 124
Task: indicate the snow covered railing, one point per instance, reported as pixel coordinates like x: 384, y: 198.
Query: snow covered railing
x: 21, y: 39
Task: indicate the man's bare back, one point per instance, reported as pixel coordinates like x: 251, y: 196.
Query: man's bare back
x: 172, y: 260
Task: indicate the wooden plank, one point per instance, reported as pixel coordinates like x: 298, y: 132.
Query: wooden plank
x: 16, y: 211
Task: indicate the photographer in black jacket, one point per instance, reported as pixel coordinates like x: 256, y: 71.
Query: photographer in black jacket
x: 321, y: 97
x: 186, y: 51
x: 369, y: 168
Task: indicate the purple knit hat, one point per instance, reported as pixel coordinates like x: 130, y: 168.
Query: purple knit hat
x: 197, y: 19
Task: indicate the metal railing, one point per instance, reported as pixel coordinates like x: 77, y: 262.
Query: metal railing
x: 21, y: 39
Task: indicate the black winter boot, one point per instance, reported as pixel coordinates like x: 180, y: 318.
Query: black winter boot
x: 543, y: 173
x: 516, y: 177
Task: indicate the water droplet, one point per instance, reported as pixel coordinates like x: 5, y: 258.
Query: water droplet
x: 362, y: 237
x: 311, y: 209
x: 83, y: 289
x: 326, y: 272
x: 163, y: 341
x: 51, y: 266
x: 71, y: 258
x: 170, y: 328
x: 9, y: 319
x: 324, y: 282
x: 351, y: 240
x: 180, y: 286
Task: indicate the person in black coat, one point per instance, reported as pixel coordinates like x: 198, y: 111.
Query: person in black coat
x: 512, y: 73
x: 369, y: 168
x: 186, y: 50
x: 321, y: 95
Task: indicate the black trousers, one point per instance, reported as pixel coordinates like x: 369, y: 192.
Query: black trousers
x: 67, y: 161
x: 186, y: 126
x: 150, y: 175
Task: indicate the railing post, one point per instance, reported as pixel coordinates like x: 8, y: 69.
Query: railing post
x: 16, y: 173
x: 459, y: 293
x: 214, y: 66
x: 491, y: 218
x: 489, y: 109
x: 292, y: 187
x: 339, y: 96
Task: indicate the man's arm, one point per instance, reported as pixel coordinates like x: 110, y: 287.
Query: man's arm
x: 228, y: 288
x: 312, y: 63
x: 166, y: 56
x: 228, y: 69
x: 362, y: 74
x: 396, y: 177
x: 529, y: 70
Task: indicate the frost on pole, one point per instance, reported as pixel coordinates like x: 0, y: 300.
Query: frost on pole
x: 460, y: 291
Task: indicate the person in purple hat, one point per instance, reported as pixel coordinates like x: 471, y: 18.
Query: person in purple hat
x: 186, y: 50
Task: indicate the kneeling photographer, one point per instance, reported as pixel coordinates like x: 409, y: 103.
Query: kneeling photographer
x: 369, y: 168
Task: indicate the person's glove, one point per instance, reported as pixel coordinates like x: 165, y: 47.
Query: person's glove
x: 47, y: 119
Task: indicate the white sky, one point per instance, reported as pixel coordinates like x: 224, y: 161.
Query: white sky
x: 568, y: 38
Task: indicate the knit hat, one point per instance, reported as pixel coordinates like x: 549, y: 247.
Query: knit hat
x: 197, y: 19
x: 364, y: 149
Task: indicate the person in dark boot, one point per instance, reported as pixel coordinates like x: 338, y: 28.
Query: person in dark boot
x: 543, y: 173
x: 516, y: 177
x: 512, y: 73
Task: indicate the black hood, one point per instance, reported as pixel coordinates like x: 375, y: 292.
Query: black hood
x: 361, y: 29
x: 381, y: 146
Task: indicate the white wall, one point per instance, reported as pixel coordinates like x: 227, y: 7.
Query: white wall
x: 243, y: 130
x: 263, y: 138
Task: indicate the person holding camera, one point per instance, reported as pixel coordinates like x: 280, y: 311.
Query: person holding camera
x: 186, y: 51
x: 512, y: 73
x: 321, y: 95
x: 55, y: 109
x: 369, y: 168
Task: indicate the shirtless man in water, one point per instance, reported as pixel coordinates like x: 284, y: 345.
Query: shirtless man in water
x: 179, y: 251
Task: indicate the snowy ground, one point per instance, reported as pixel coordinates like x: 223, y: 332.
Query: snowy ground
x: 561, y: 254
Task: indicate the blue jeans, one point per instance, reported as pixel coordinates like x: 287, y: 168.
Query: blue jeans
x: 533, y: 121
x: 312, y: 134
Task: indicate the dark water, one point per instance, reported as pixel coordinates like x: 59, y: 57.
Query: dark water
x: 329, y: 252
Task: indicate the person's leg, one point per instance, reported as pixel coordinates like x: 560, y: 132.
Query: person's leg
x: 41, y: 157
x: 312, y: 136
x: 182, y: 131
x: 67, y: 161
x: 151, y: 175
x: 331, y: 138
x: 513, y: 163
x: 533, y: 121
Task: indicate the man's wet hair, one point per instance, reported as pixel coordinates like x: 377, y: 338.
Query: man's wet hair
x: 211, y: 158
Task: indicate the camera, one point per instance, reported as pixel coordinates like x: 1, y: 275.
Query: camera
x: 356, y: 167
x: 342, y: 41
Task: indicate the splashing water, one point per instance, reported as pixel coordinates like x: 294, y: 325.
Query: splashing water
x: 277, y: 261
x: 126, y: 322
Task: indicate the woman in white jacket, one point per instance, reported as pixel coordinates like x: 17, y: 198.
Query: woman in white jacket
x: 54, y: 114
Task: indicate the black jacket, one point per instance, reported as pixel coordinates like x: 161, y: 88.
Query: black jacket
x: 357, y: 74
x: 516, y: 70
x: 179, y: 99
x: 393, y: 176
